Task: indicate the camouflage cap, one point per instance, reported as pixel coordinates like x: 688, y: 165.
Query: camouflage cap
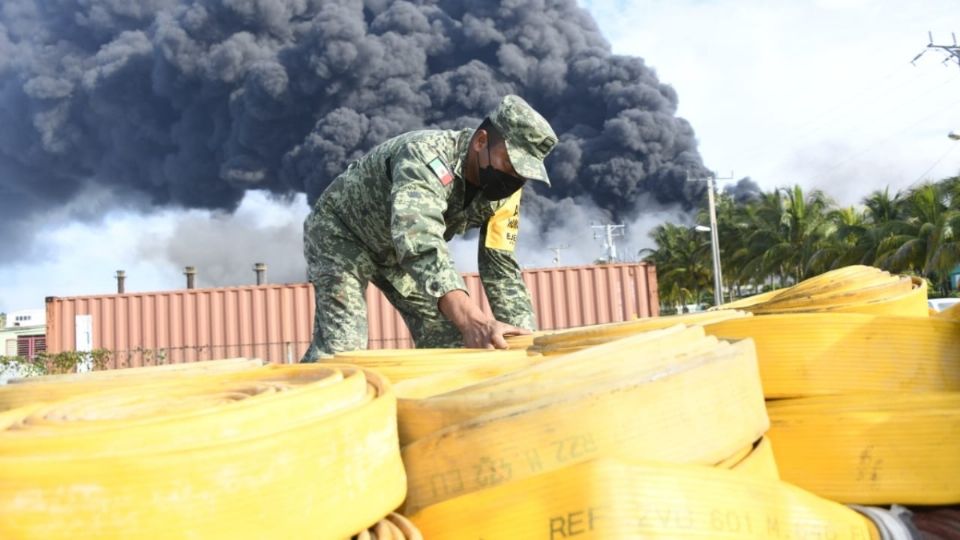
x: 528, y: 136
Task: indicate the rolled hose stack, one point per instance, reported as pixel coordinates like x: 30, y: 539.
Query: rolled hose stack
x: 864, y: 407
x: 876, y: 411
x: 701, y: 396
x: 53, y: 387
x: 646, y: 428
x: 550, y: 450
x: 467, y: 446
x: 304, y: 451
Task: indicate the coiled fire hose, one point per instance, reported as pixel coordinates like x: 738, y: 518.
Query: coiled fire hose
x: 852, y: 289
x: 871, y: 448
x: 691, y: 399
x: 809, y: 354
x: 615, y: 499
x: 53, y: 387
x: 392, y: 527
x: 204, y: 366
x: 574, y: 339
x: 402, y: 364
x: 303, y: 451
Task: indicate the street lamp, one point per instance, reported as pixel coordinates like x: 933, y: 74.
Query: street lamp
x: 714, y: 237
x: 715, y: 255
x: 714, y: 243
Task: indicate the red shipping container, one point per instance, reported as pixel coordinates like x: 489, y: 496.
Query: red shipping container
x: 274, y: 321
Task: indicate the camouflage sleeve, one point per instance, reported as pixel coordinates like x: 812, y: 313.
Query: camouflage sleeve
x: 417, y: 203
x: 499, y: 270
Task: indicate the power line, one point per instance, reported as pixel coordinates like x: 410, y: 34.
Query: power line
x: 873, y: 95
x: 876, y: 142
x: 879, y: 142
x: 810, y: 129
x: 923, y: 175
x: 814, y: 124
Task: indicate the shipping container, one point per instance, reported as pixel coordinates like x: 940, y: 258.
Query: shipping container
x: 274, y: 322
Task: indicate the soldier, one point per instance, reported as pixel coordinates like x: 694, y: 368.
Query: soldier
x: 387, y: 220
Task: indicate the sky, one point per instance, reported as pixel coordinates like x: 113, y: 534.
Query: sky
x: 819, y: 93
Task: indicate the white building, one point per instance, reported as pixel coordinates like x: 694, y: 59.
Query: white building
x: 26, y: 318
x: 24, y: 334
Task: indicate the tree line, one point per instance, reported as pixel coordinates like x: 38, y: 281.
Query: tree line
x: 777, y: 238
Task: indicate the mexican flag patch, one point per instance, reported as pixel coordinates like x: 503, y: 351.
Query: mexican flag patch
x: 440, y: 169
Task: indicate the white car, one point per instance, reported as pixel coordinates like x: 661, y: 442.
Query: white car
x: 940, y: 304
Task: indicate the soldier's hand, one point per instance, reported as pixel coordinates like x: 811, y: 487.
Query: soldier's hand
x: 489, y: 334
x: 479, y: 330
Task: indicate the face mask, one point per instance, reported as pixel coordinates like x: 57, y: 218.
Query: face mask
x: 495, y: 184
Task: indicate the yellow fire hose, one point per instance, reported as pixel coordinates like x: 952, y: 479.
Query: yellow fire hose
x: 522, y: 342
x: 650, y: 428
x: 574, y: 339
x: 871, y: 448
x: 211, y: 366
x: 54, y: 387
x: 610, y: 500
x: 402, y: 364
x: 853, y: 289
x: 452, y: 380
x: 302, y: 451
x: 700, y: 408
x: 424, y: 410
x: 810, y: 354
x: 841, y: 279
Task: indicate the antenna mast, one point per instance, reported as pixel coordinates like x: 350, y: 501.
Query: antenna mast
x: 607, y: 233
x: 953, y: 51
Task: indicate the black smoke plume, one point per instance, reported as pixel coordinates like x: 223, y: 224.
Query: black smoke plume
x: 744, y: 191
x: 192, y: 102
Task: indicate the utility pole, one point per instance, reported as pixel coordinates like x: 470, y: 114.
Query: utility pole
x: 953, y: 51
x: 556, y: 252
x: 714, y: 234
x: 607, y: 233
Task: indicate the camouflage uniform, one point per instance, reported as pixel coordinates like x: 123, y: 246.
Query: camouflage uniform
x: 387, y: 220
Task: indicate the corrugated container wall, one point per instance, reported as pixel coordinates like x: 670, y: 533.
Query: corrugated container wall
x: 274, y: 322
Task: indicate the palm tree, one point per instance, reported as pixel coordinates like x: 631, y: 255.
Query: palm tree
x: 846, y: 241
x: 881, y: 208
x: 787, y: 235
x: 788, y: 228
x: 682, y: 260
x: 924, y: 239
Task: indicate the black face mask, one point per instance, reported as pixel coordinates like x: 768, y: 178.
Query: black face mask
x: 495, y: 184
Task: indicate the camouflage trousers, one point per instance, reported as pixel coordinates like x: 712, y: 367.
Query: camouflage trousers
x: 340, y: 268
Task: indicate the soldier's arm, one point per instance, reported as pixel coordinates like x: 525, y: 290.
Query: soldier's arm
x: 499, y: 269
x: 418, y: 200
